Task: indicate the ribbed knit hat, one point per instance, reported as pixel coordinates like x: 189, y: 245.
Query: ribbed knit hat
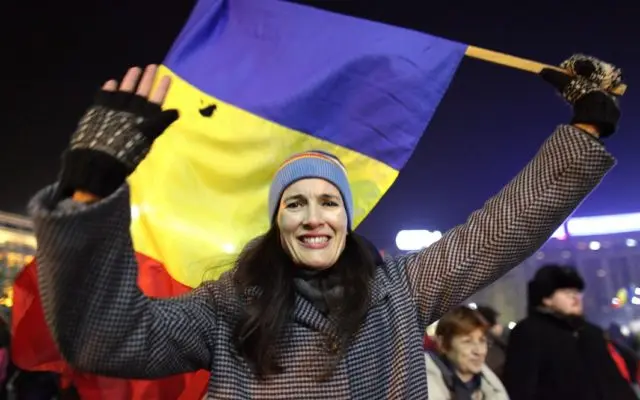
x: 311, y: 164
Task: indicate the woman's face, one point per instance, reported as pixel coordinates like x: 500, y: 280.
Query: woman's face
x: 468, y: 352
x: 313, y: 223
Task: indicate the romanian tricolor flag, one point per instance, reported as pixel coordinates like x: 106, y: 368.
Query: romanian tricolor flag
x: 255, y: 81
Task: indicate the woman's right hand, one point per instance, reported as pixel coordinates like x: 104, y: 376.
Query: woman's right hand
x: 115, y: 135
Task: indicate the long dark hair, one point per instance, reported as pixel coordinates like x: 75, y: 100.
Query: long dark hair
x: 265, y: 272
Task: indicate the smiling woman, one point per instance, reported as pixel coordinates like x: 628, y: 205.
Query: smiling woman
x: 307, y: 312
x: 313, y: 223
x: 457, y: 370
x: 315, y: 210
x: 311, y: 210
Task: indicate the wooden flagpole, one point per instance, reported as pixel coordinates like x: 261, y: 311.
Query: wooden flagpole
x: 521, y: 63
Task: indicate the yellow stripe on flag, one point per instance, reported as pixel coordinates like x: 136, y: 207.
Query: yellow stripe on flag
x: 201, y: 193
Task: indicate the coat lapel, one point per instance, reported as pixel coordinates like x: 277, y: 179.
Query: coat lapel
x: 307, y: 314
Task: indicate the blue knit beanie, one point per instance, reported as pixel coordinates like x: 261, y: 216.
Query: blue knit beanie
x: 311, y: 164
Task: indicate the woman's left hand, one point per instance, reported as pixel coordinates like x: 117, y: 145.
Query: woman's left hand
x: 587, y: 88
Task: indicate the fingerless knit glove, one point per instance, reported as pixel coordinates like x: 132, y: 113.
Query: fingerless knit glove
x: 112, y: 138
x: 588, y: 91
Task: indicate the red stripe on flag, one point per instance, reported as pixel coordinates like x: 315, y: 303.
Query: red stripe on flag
x: 33, y: 348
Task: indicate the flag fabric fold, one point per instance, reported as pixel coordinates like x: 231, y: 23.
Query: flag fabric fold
x: 256, y: 81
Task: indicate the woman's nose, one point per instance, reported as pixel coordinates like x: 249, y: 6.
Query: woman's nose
x: 312, y: 217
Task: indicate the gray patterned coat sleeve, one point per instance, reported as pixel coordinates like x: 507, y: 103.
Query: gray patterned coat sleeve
x: 510, y: 227
x: 99, y: 318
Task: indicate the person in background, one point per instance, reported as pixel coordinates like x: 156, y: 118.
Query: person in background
x: 497, y: 351
x: 555, y: 353
x: 623, y: 355
x: 457, y: 370
x: 615, y: 334
x: 429, y: 343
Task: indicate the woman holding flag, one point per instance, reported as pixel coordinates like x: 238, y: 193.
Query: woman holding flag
x: 306, y: 312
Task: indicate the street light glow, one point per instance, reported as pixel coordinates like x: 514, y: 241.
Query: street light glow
x: 410, y: 240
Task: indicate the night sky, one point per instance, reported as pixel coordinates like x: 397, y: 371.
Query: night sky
x: 491, y: 122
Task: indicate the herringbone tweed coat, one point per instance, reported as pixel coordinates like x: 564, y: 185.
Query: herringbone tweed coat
x: 103, y: 324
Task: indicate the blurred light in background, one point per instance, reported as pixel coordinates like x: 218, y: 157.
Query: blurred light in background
x: 411, y: 240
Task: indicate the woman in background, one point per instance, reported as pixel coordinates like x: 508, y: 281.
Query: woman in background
x: 457, y: 370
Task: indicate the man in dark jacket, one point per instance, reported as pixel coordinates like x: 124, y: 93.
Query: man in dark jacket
x: 555, y: 353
